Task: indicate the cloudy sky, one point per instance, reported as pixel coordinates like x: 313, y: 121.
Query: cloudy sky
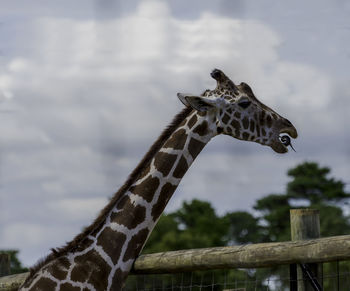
x: 87, y: 86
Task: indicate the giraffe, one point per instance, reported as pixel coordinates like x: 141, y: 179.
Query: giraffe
x: 101, y: 257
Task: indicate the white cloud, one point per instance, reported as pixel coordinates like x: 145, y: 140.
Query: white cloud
x: 91, y: 96
x: 17, y: 233
x: 77, y: 209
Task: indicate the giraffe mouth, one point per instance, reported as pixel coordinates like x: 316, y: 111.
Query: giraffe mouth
x: 279, y: 145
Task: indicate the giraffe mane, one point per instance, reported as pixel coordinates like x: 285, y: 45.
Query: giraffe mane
x: 79, y: 239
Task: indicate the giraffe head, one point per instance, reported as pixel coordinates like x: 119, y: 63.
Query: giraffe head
x: 238, y: 113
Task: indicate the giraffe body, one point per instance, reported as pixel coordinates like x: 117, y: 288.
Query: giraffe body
x: 101, y: 257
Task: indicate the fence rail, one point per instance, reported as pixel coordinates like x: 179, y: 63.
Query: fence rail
x: 260, y: 255
x: 306, y: 250
x: 246, y: 256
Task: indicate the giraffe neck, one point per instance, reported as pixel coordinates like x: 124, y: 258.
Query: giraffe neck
x: 104, y: 257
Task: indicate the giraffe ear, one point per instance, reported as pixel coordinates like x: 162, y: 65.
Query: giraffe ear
x: 199, y: 103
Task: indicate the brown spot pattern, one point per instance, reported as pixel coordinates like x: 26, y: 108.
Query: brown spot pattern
x: 269, y: 121
x: 201, y: 129
x: 237, y: 115
x: 257, y: 129
x: 118, y: 280
x: 44, y: 284
x: 111, y: 241
x: 245, y: 135
x: 262, y: 118
x: 181, y: 168
x: 146, y: 189
x: 145, y: 172
x: 192, y: 121
x: 135, y: 245
x: 195, y: 147
x: 91, y: 268
x: 226, y: 118
x: 237, y: 126
x: 252, y: 125
x: 85, y: 243
x: 130, y: 215
x: 59, y: 269
x: 245, y: 123
x: 164, y: 196
x: 177, y: 140
x: 68, y: 287
x: 123, y: 200
x: 164, y: 162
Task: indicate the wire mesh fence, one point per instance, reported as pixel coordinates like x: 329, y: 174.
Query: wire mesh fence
x: 336, y: 277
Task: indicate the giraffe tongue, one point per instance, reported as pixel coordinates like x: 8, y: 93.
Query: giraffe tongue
x: 292, y: 147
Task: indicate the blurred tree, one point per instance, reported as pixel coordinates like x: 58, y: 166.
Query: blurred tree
x: 196, y: 224
x: 311, y: 187
x: 200, y: 226
x: 243, y: 228
x: 274, y: 216
x: 164, y: 236
x: 310, y: 182
x: 15, y: 264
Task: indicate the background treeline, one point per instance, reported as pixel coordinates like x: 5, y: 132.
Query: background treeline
x: 196, y: 224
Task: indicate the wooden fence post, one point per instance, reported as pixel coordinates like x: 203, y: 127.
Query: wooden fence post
x: 305, y: 224
x: 4, y: 264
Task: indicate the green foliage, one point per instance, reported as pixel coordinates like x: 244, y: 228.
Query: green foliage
x: 196, y: 224
x: 15, y: 264
x: 164, y: 237
x: 274, y: 214
x: 243, y: 228
x: 311, y: 186
x: 332, y: 220
x: 310, y: 182
x: 200, y: 225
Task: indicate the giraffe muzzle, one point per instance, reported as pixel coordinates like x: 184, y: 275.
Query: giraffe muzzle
x: 291, y: 131
x: 280, y: 145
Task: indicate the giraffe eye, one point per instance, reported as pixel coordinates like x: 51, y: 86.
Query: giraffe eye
x: 244, y: 104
